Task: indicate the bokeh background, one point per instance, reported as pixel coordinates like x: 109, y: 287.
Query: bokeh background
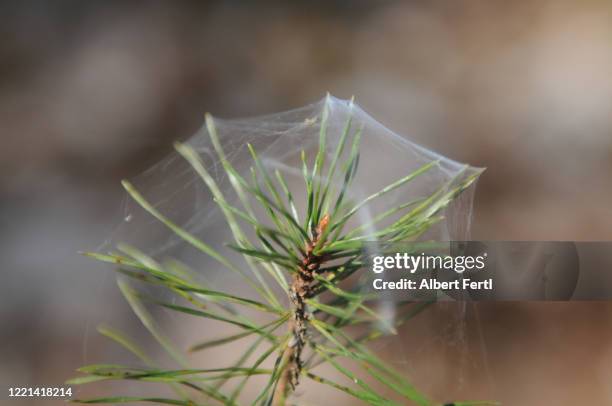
x: 92, y: 92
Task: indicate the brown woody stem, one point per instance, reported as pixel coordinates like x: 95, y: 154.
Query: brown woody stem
x: 299, y: 290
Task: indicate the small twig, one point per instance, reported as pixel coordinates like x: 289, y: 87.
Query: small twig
x: 299, y: 291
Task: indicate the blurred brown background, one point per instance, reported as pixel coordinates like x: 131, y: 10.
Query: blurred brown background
x: 92, y: 92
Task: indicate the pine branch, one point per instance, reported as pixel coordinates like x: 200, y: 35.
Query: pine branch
x: 305, y: 255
